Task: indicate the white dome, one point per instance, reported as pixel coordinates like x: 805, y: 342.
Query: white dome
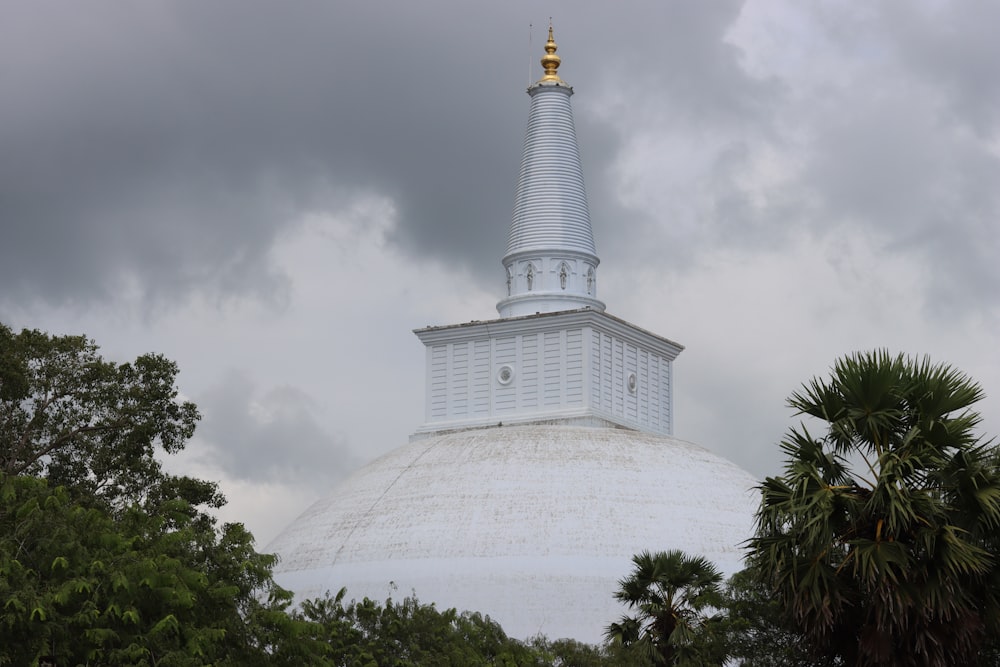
x: 532, y: 525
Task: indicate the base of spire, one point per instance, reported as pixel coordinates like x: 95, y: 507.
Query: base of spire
x: 534, y: 303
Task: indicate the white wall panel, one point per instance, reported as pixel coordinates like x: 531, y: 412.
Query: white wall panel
x: 481, y: 390
x: 573, y: 395
x: 556, y: 372
x: 437, y: 395
x: 528, y: 373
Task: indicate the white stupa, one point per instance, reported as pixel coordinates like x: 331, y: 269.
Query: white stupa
x: 547, y: 458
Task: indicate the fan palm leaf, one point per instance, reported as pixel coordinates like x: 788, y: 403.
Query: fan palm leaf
x: 881, y: 535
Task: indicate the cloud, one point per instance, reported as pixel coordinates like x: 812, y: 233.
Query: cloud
x: 168, y: 145
x: 275, y: 196
x: 756, y: 325
x: 270, y: 435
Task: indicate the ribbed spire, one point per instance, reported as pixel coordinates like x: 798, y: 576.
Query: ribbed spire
x: 551, y: 262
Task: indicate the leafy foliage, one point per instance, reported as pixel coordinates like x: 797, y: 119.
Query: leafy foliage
x: 673, y: 595
x: 758, y: 631
x: 571, y: 653
x: 83, y: 422
x: 409, y: 633
x: 140, y: 589
x: 105, y: 558
x: 400, y: 634
x: 881, y: 536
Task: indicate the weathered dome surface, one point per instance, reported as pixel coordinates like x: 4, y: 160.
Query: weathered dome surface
x: 533, y: 525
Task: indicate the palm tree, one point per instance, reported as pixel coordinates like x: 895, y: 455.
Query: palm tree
x: 672, y: 594
x: 881, y: 537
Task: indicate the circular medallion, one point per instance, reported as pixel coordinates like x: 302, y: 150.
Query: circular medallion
x: 505, y: 375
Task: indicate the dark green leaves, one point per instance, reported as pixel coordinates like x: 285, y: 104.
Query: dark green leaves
x: 85, y: 585
x: 672, y: 595
x: 81, y: 421
x: 880, y: 536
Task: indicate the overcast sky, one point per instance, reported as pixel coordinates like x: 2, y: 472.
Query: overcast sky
x: 275, y: 194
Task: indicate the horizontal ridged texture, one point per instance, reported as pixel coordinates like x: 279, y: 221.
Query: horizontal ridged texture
x: 533, y: 525
x: 550, y: 211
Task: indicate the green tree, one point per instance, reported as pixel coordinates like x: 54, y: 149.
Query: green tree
x: 673, y: 595
x: 757, y: 629
x: 881, y: 537
x: 571, y: 653
x: 82, y: 422
x: 105, y: 558
x: 135, y: 589
x: 409, y: 633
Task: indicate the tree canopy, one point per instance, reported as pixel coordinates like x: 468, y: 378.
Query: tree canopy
x: 137, y: 589
x: 757, y: 630
x: 104, y: 557
x: 881, y: 537
x: 68, y: 415
x: 673, y: 596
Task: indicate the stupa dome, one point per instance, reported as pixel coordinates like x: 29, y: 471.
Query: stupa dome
x: 547, y: 458
x: 530, y: 524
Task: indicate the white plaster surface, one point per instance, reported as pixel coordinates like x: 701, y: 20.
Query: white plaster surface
x: 561, y: 365
x: 532, y: 525
x: 551, y: 262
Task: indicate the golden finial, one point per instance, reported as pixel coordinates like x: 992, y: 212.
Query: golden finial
x: 550, y: 61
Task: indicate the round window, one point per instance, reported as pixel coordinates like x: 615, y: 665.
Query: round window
x: 505, y: 375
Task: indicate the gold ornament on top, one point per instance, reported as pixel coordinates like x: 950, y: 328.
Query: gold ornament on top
x: 550, y: 61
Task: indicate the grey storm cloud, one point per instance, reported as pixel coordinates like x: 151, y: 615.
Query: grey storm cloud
x: 162, y: 147
x: 953, y: 46
x: 269, y: 435
x: 771, y: 182
x: 904, y: 149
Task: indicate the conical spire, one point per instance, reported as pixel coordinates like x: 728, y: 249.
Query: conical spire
x: 551, y: 262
